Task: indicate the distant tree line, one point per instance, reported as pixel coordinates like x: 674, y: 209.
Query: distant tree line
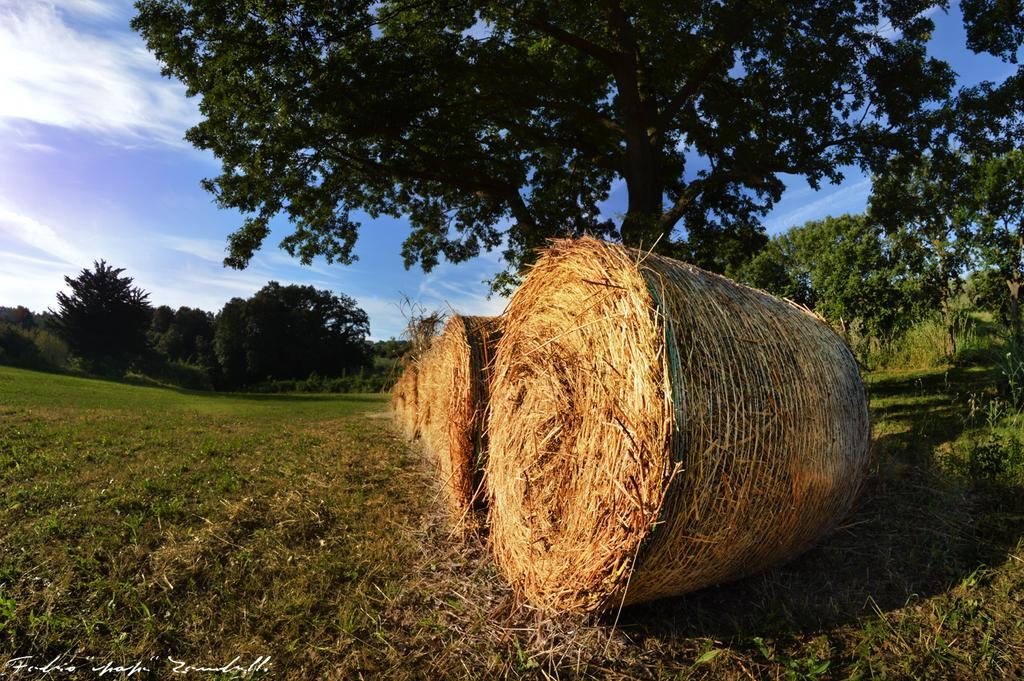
x: 283, y: 336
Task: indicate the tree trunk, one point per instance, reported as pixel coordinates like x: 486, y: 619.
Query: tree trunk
x: 947, y: 323
x: 644, y: 207
x: 638, y: 113
x: 1014, y: 286
x: 640, y: 224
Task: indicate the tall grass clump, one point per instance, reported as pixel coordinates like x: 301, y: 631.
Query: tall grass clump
x: 924, y: 345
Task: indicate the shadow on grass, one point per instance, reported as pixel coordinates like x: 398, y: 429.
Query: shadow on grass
x: 146, y: 382
x: 916, y: 531
x: 249, y: 396
x: 290, y: 397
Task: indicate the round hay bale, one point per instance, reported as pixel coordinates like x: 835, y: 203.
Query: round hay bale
x: 403, y: 401
x: 656, y: 429
x: 426, y: 397
x: 460, y: 361
x: 397, y: 400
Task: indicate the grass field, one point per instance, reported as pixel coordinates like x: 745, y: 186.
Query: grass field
x: 162, y: 527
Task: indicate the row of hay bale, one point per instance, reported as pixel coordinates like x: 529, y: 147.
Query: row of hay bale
x: 441, y: 399
x: 635, y: 427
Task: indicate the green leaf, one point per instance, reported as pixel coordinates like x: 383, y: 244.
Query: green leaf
x: 708, y: 656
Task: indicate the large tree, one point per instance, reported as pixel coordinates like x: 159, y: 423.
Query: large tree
x: 104, y: 317
x: 488, y: 123
x: 184, y: 336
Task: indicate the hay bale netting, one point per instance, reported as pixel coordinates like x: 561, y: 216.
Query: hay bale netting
x: 460, y: 360
x: 655, y: 429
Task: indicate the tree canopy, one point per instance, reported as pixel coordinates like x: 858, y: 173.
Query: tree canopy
x: 492, y: 124
x: 183, y: 336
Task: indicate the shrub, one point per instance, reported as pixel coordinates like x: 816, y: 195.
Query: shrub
x: 921, y: 346
x: 997, y: 456
x: 54, y: 352
x: 1011, y: 368
x: 32, y: 348
x: 17, y: 347
x: 178, y: 374
x: 358, y: 383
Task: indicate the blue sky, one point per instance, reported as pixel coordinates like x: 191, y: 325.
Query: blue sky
x: 93, y: 165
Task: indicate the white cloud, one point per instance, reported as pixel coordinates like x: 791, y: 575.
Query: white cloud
x: 38, y: 235
x: 211, y: 250
x: 104, y: 81
x: 386, y: 317
x: 849, y: 198
x: 89, y: 8
x: 459, y: 289
x: 28, y: 281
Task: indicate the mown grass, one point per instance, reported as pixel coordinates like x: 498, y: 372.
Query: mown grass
x: 138, y: 524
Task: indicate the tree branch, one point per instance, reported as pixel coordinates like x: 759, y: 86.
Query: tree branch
x: 668, y: 219
x: 605, y: 56
x: 689, y: 90
x: 469, y: 182
x: 580, y: 110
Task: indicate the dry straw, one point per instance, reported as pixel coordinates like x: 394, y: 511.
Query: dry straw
x: 655, y: 429
x: 403, y: 401
x: 456, y: 433
x: 426, y: 396
x: 408, y: 393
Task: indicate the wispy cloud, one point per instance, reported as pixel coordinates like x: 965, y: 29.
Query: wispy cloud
x: 848, y: 198
x: 211, y: 250
x: 460, y: 288
x: 89, y: 8
x: 387, y: 319
x: 31, y: 232
x: 55, y: 72
x: 29, y: 281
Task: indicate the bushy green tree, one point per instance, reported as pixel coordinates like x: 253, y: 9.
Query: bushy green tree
x: 18, y: 316
x: 393, y: 348
x: 229, y: 343
x: 490, y: 123
x: 1000, y: 204
x: 286, y: 332
x: 844, y: 269
x: 103, y: 318
x: 189, y: 337
x: 183, y: 336
x: 159, y: 323
x: 780, y: 268
x: 927, y: 211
